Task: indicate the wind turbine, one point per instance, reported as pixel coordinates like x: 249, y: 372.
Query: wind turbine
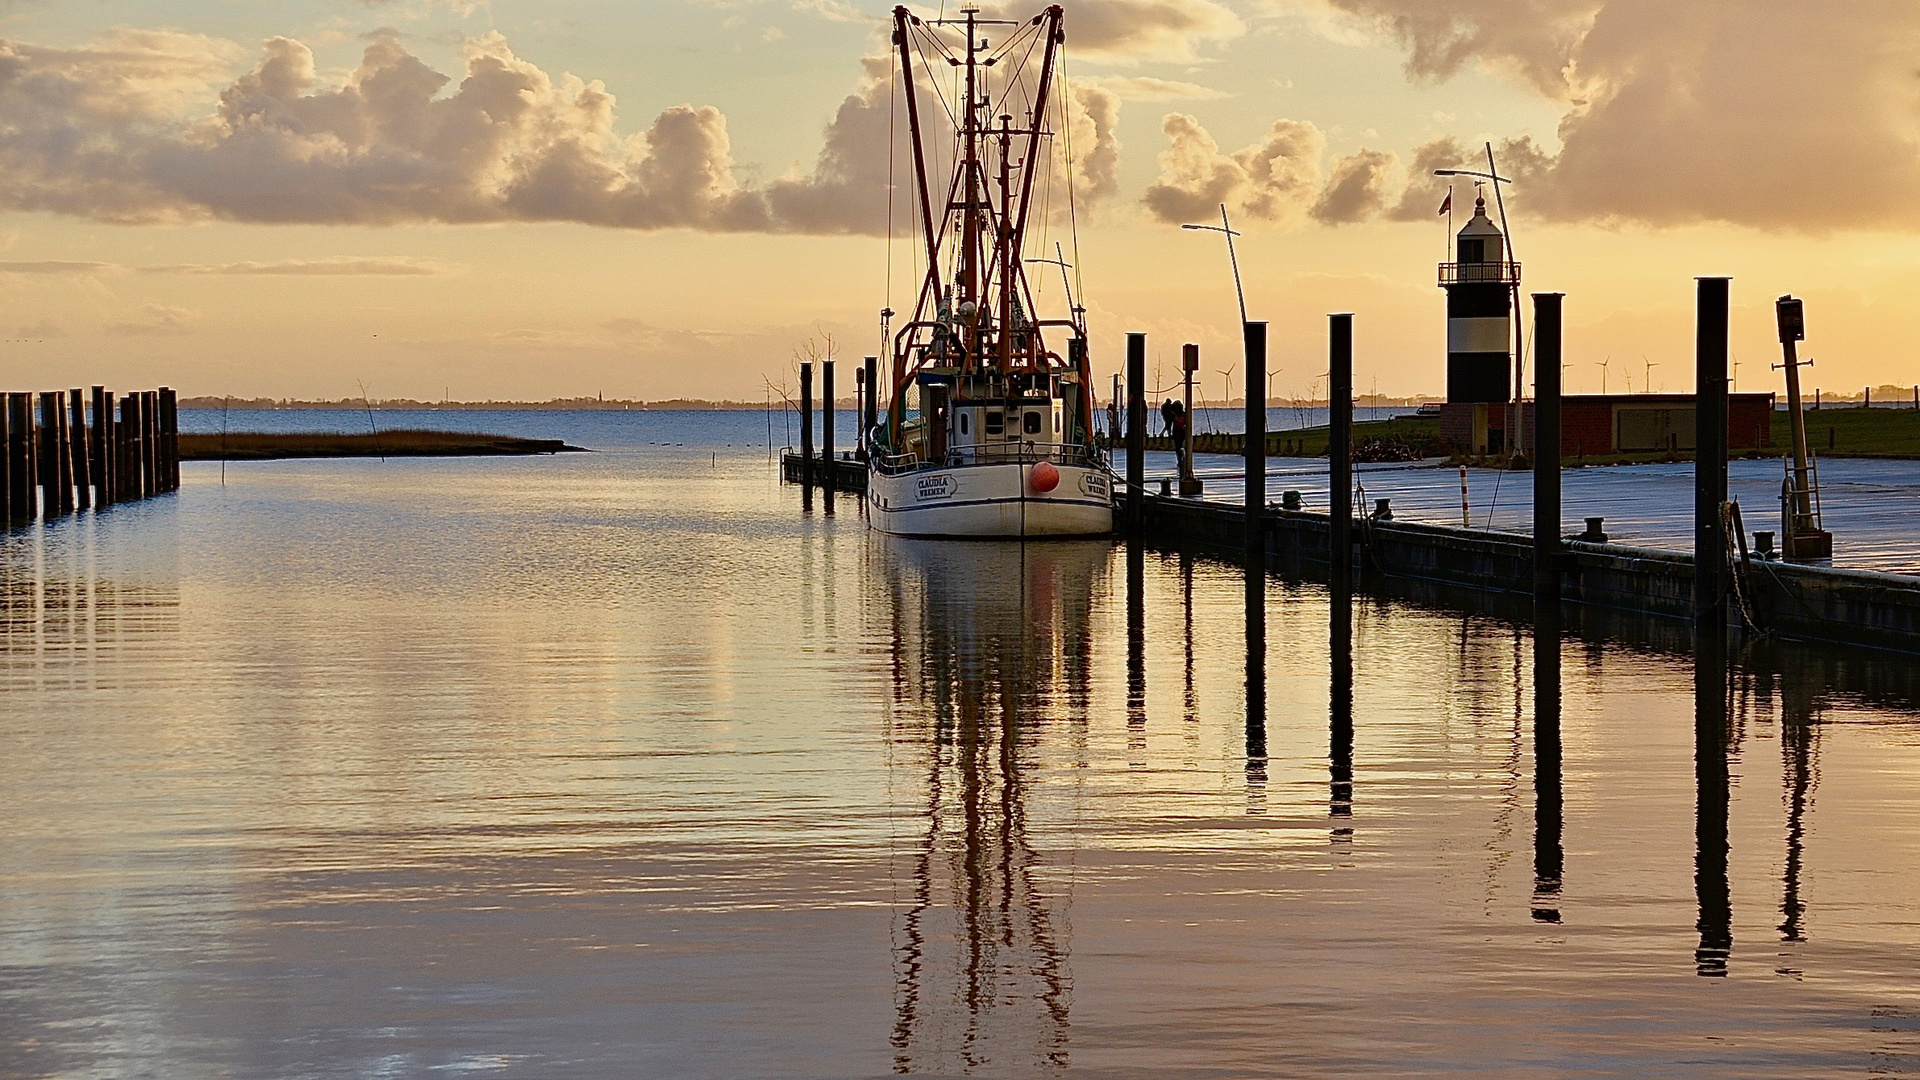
x: 1646, y: 386
x: 1602, y: 365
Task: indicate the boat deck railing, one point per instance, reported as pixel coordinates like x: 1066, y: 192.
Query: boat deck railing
x: 1026, y: 453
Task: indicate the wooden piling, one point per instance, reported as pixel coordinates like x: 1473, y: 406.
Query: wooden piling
x: 80, y: 451
x: 6, y: 464
x: 170, y: 437
x: 1255, y: 337
x: 871, y: 418
x: 49, y: 451
x: 150, y: 440
x: 1136, y: 430
x: 26, y: 503
x: 1546, y: 454
x: 826, y: 418
x: 1710, y: 459
x: 806, y: 425
x: 1340, y: 452
x: 102, y: 446
x: 130, y: 449
x: 62, y: 451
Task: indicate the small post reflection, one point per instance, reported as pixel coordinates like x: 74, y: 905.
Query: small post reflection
x: 1256, y: 638
x: 1340, y: 707
x: 1711, y: 743
x: 1136, y: 652
x: 1548, y: 854
x: 1799, y: 746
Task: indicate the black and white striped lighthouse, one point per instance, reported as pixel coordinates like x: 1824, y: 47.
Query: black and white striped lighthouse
x: 1480, y: 284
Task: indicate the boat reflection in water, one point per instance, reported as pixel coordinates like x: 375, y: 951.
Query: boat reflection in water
x: 993, y: 649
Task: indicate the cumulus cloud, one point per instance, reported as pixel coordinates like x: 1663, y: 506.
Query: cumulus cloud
x: 1129, y: 31
x: 1276, y: 179
x: 1148, y: 88
x: 156, y: 320
x: 58, y: 267
x: 110, y: 132
x: 1356, y: 188
x: 1798, y: 116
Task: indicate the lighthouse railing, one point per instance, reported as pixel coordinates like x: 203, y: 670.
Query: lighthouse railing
x: 1455, y: 273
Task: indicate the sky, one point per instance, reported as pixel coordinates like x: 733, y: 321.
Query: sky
x: 526, y: 199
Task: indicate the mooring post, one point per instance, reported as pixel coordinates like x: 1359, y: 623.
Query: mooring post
x: 826, y: 422
x: 6, y: 463
x: 1189, y: 365
x: 150, y: 432
x: 1710, y: 460
x: 82, y: 459
x: 62, y: 451
x: 49, y: 450
x: 1340, y: 452
x: 170, y: 437
x: 806, y: 424
x: 1136, y: 430
x: 130, y: 448
x: 871, y: 419
x: 1546, y: 455
x: 102, y: 446
x: 20, y: 457
x: 1255, y: 337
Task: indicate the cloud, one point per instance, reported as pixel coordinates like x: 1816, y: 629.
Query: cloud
x: 1129, y: 31
x: 40, y: 328
x: 59, y: 268
x: 1783, y: 116
x: 330, y: 267
x: 1275, y: 179
x: 1148, y: 88
x: 1356, y: 188
x: 156, y: 320
x: 107, y: 133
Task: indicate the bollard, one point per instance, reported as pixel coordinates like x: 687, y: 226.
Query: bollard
x: 1546, y: 453
x: 1255, y: 337
x: 82, y: 459
x: 1466, y: 519
x: 1340, y: 452
x: 1136, y: 430
x: 1710, y: 459
x: 806, y: 425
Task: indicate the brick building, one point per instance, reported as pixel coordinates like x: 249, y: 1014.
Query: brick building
x: 1612, y: 423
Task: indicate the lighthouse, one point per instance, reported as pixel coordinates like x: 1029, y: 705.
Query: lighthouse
x: 1480, y: 285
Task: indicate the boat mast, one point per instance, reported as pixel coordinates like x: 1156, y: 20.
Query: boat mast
x: 970, y: 212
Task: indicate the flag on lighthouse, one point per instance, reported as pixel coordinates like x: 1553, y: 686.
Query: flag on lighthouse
x: 1447, y: 206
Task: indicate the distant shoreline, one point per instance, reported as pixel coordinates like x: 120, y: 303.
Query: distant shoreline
x: 264, y: 446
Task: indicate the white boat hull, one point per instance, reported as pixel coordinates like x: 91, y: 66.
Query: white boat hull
x: 991, y: 499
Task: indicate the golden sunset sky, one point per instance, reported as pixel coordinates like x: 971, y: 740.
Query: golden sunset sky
x: 537, y: 198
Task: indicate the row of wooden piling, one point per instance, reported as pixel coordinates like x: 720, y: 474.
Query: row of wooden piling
x: 78, y: 451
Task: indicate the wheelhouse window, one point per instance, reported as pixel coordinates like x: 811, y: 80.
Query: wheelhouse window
x: 996, y: 422
x: 1033, y: 422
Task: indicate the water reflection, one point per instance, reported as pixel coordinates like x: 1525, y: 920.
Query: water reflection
x: 1799, y: 752
x: 995, y: 652
x: 1256, y: 684
x: 1712, y: 742
x: 1548, y: 855
x: 1340, y: 706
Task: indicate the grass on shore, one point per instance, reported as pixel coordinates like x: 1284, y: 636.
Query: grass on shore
x: 263, y: 446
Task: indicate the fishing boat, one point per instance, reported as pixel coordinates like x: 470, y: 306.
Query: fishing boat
x: 989, y: 427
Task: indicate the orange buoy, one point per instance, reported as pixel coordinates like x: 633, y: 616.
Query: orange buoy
x: 1043, y: 477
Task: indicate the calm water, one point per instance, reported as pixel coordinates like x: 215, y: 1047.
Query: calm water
x: 625, y: 764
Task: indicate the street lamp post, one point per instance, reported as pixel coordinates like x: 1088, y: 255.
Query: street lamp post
x: 1226, y: 227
